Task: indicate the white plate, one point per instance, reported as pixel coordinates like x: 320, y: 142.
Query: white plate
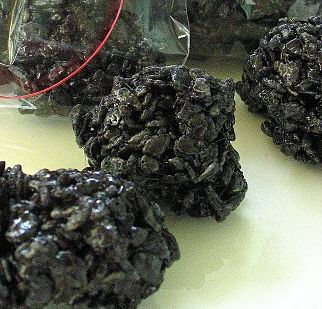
x: 267, y: 254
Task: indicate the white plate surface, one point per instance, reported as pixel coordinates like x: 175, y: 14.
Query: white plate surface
x: 267, y: 254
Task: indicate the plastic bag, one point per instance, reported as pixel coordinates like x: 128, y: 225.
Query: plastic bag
x: 70, y: 50
x: 233, y: 28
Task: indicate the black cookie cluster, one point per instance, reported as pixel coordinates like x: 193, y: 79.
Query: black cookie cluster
x: 57, y: 37
x: 90, y: 85
x: 171, y: 128
x: 80, y: 239
x: 282, y: 80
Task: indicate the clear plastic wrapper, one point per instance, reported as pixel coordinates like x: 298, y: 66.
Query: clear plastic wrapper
x: 234, y: 28
x: 68, y: 52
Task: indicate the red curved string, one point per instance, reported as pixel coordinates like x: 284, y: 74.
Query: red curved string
x: 81, y: 68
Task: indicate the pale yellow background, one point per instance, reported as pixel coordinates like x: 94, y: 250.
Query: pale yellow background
x: 267, y: 254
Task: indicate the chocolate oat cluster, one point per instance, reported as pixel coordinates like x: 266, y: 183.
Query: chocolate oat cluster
x: 170, y: 128
x: 56, y: 38
x: 84, y: 239
x: 282, y: 80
